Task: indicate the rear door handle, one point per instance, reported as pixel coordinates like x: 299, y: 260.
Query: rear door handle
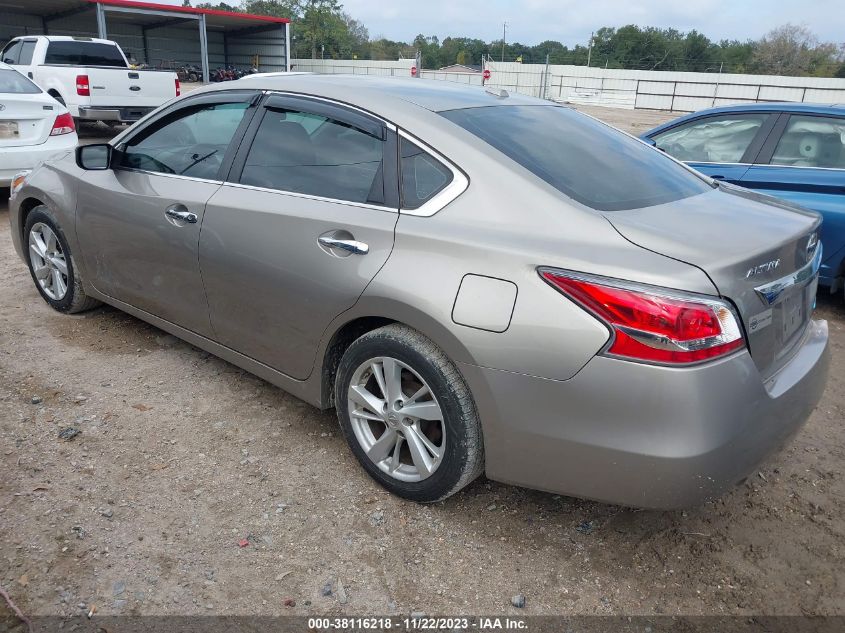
x: 179, y: 213
x: 352, y: 246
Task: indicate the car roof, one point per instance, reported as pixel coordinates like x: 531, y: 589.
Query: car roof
x: 778, y: 106
x: 378, y: 93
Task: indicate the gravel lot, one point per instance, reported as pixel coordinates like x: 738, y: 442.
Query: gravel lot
x: 183, y: 458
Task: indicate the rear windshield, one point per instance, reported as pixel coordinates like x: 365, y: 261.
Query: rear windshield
x: 588, y: 161
x: 84, y: 54
x: 12, y: 82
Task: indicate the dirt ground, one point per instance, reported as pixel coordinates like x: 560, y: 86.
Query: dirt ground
x: 182, y: 458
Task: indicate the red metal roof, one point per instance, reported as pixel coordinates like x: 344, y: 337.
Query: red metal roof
x: 196, y: 11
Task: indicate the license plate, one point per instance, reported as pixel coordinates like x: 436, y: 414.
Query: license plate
x: 9, y: 129
x: 794, y: 312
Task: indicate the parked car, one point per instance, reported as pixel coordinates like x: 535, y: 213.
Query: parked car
x: 476, y: 282
x: 33, y: 126
x: 90, y: 76
x: 795, y: 151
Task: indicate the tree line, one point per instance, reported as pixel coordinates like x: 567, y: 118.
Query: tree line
x: 321, y: 28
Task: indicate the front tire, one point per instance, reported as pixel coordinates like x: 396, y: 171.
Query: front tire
x: 408, y: 415
x: 51, y: 263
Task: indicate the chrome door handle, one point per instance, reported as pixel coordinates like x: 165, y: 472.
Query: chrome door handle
x: 180, y: 212
x: 352, y: 246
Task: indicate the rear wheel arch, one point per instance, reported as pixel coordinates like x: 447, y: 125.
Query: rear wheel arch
x: 340, y: 341
x: 57, y: 96
x: 366, y: 321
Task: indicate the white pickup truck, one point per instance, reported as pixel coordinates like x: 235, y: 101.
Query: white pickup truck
x: 91, y: 77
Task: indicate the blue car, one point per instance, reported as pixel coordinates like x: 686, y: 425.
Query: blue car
x: 795, y: 151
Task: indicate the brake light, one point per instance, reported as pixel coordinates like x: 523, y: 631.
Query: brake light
x: 178, y: 88
x: 654, y: 325
x: 63, y: 125
x: 83, y: 86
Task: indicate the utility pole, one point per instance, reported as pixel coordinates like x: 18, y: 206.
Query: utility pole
x: 545, y: 88
x: 504, y: 36
x: 590, y: 49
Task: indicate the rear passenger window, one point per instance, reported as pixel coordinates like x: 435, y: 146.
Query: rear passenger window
x: 27, y: 49
x: 302, y: 152
x: 812, y: 141
x: 423, y: 176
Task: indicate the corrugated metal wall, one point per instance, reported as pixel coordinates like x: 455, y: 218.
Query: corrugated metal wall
x: 169, y: 46
x: 657, y: 90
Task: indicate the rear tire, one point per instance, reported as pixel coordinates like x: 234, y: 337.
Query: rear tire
x: 51, y: 263
x: 424, y: 448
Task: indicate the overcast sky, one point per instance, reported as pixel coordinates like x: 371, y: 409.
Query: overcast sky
x: 570, y: 21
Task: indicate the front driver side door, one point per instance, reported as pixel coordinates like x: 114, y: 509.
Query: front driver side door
x: 303, y: 227
x: 139, y: 223
x: 720, y: 146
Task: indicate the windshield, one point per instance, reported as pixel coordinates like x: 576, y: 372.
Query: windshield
x: 12, y: 82
x: 84, y: 54
x: 588, y: 161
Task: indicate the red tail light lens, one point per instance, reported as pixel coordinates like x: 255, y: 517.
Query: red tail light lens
x: 83, y: 86
x: 178, y: 88
x: 63, y: 125
x: 653, y: 325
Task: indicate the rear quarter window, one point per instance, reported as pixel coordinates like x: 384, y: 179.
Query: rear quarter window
x: 584, y: 159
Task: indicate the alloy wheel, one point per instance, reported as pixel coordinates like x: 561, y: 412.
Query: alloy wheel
x: 49, y: 264
x: 396, y: 419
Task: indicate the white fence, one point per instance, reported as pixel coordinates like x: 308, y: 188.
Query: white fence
x: 649, y: 89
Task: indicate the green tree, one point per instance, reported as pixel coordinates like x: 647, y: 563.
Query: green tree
x: 794, y: 50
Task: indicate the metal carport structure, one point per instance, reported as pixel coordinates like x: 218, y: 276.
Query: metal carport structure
x: 160, y: 35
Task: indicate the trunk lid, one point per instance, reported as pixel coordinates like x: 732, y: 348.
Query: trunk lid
x: 128, y: 87
x: 24, y: 119
x: 760, y: 252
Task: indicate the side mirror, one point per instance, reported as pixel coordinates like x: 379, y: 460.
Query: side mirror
x: 94, y: 157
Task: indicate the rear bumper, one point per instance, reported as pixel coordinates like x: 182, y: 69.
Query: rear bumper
x: 643, y: 435
x: 112, y: 113
x: 16, y: 159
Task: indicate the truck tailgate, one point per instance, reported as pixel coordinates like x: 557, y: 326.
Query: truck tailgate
x: 126, y: 87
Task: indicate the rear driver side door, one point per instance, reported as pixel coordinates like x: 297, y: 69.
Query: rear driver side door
x: 302, y: 225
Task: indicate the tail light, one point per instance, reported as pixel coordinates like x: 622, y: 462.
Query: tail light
x: 178, y: 88
x: 63, y: 125
x: 83, y: 86
x: 651, y: 324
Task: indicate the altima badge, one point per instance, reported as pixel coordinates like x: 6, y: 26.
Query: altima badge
x: 762, y: 268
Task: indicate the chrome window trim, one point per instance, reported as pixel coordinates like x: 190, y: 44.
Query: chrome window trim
x: 702, y: 162
x: 308, y: 196
x: 797, y: 166
x: 770, y: 292
x: 707, y: 162
x: 176, y: 176
x: 285, y: 93
x: 444, y: 197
